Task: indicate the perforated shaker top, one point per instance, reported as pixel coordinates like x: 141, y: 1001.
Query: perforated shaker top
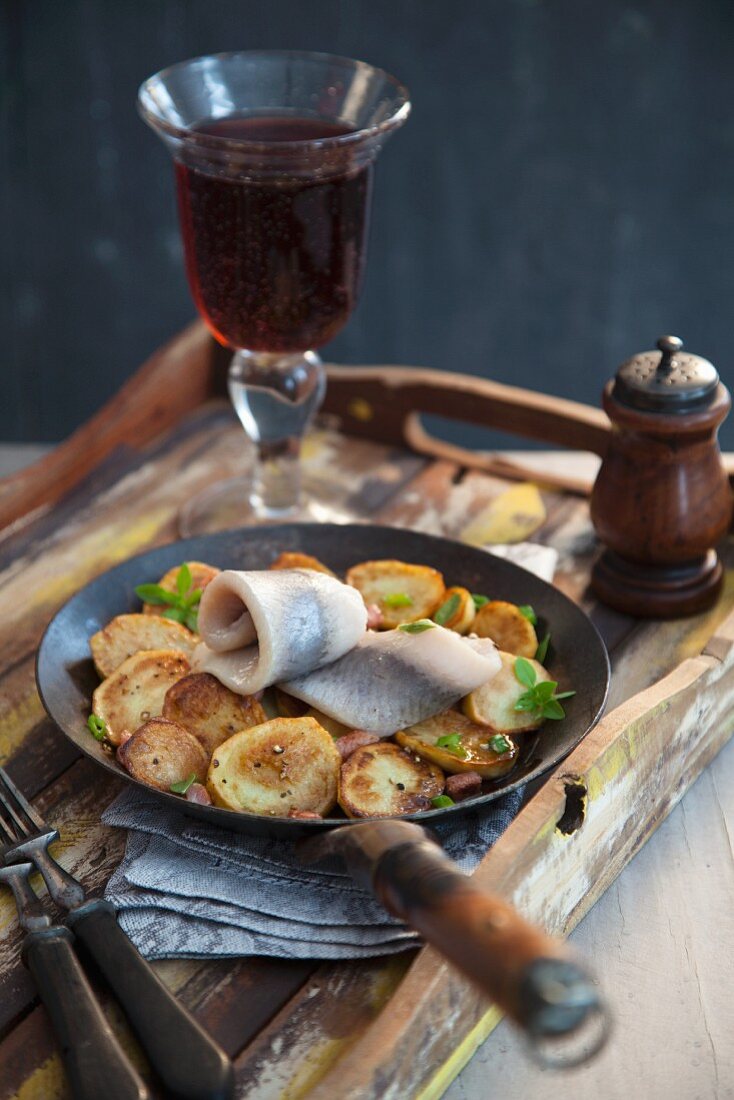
x: 668, y: 380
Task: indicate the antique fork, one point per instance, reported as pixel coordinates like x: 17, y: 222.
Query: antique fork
x: 94, y: 1060
x: 188, y: 1061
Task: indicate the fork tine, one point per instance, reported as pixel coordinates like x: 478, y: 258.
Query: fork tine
x: 13, y: 828
x: 33, y: 816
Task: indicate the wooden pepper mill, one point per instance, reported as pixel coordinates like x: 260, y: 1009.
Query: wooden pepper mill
x: 662, y: 501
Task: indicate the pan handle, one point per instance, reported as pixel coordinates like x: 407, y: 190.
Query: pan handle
x: 533, y: 977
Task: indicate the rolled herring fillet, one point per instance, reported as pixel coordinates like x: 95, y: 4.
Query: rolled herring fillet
x: 394, y: 679
x: 263, y: 626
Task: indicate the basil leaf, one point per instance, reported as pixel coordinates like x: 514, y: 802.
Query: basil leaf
x: 479, y: 601
x: 447, y: 610
x: 527, y: 612
x: 193, y: 598
x: 526, y: 701
x: 183, y: 579
x: 553, y: 709
x: 499, y: 744
x: 525, y: 672
x: 441, y: 801
x: 192, y: 621
x: 183, y: 784
x: 542, y: 651
x: 417, y: 627
x: 97, y: 727
x: 153, y: 593
x: 398, y: 599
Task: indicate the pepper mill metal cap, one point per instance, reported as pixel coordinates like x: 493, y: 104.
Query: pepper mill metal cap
x: 666, y: 381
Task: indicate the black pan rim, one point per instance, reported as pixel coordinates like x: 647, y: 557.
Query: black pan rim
x: 224, y: 818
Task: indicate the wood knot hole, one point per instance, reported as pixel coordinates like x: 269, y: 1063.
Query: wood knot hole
x: 574, y: 811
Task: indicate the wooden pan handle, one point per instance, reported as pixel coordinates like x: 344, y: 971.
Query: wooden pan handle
x: 531, y: 976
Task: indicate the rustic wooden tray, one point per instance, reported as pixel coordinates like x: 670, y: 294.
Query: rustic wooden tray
x: 401, y: 1027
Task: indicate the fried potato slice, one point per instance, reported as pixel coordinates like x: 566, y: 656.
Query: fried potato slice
x: 469, y: 749
x: 209, y: 710
x: 383, y: 780
x: 288, y: 706
x: 128, y: 634
x: 201, y: 574
x: 292, y: 560
x: 160, y: 753
x: 493, y: 704
x: 508, y: 628
x: 136, y: 690
x: 282, y: 765
x: 402, y: 592
x: 456, y: 612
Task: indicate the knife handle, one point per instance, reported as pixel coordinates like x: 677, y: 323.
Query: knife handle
x: 531, y: 976
x: 95, y: 1062
x: 187, y: 1060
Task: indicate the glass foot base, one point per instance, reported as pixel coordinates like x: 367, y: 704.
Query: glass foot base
x: 227, y: 504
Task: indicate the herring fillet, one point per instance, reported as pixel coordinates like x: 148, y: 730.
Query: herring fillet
x: 262, y: 626
x: 394, y: 679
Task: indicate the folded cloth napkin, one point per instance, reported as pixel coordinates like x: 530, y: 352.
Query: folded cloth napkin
x: 190, y: 890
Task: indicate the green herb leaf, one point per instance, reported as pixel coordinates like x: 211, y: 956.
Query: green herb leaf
x: 153, y: 593
x: 183, y: 784
x: 183, y: 579
x: 526, y: 610
x: 553, y: 709
x: 398, y: 599
x: 417, y: 627
x: 193, y: 598
x: 178, y: 614
x: 192, y: 621
x: 441, y: 801
x: 526, y: 701
x: 525, y: 672
x: 545, y: 690
x: 452, y: 743
x: 97, y: 727
x: 564, y: 694
x: 479, y: 601
x: 542, y: 651
x: 447, y: 610
x: 499, y: 744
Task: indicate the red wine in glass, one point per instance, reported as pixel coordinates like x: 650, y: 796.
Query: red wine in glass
x: 275, y: 264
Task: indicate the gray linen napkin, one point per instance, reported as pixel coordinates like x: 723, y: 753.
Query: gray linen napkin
x: 190, y: 890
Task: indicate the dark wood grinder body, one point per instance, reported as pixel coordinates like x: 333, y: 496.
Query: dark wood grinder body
x: 662, y: 499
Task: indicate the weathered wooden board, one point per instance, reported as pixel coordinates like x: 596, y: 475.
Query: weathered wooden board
x: 295, y: 1029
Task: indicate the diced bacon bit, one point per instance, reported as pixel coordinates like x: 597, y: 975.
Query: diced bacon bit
x: 199, y: 794
x: 374, y: 617
x: 463, y: 785
x: 357, y: 739
x: 305, y: 815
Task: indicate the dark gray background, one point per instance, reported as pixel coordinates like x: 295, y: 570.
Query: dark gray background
x: 562, y: 194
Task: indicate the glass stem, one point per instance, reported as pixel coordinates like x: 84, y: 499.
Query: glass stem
x: 276, y: 398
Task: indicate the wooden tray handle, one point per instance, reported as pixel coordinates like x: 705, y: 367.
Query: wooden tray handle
x: 533, y: 977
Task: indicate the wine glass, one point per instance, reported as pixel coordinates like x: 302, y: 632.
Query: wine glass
x: 274, y: 155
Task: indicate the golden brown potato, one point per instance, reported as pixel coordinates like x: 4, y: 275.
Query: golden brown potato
x: 201, y: 574
x: 383, y: 780
x: 288, y: 706
x: 468, y: 748
x: 128, y: 634
x: 161, y: 753
x: 136, y: 690
x: 284, y: 764
x: 293, y: 560
x: 402, y: 592
x: 508, y: 628
x: 493, y: 704
x: 209, y: 710
x: 456, y: 611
